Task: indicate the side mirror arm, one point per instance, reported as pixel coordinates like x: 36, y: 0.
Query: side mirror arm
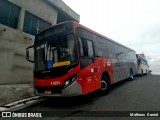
x: 27, y: 54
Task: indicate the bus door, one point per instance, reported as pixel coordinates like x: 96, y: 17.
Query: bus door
x: 87, y: 62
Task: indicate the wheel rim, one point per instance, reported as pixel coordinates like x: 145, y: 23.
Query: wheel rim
x: 104, y: 85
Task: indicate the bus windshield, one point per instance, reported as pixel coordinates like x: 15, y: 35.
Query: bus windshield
x: 56, y: 52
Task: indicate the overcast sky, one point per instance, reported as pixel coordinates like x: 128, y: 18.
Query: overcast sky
x: 134, y: 23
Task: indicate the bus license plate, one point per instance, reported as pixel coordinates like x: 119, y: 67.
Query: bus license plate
x: 47, y: 92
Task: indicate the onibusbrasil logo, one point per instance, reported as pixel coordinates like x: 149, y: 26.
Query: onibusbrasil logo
x: 16, y: 114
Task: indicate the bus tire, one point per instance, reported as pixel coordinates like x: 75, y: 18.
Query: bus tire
x: 131, y: 78
x: 105, y: 85
x: 146, y: 72
x: 141, y: 73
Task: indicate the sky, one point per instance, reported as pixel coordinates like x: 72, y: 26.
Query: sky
x: 133, y: 23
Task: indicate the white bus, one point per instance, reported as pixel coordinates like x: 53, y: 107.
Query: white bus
x: 143, y: 67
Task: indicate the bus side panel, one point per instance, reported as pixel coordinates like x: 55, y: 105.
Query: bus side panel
x: 87, y: 77
x: 103, y: 66
x: 90, y: 77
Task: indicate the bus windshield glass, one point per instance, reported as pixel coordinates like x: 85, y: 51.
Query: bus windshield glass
x: 56, y: 52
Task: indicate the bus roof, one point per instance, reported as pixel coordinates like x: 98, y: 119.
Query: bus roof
x: 96, y: 33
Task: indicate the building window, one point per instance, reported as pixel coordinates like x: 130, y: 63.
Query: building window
x: 9, y: 14
x: 34, y: 24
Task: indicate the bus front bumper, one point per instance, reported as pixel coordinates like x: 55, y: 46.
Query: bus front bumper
x: 73, y: 90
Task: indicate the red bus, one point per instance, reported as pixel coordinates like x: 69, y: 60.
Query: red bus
x: 71, y: 59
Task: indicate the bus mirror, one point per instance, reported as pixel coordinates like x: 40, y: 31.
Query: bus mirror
x: 30, y: 54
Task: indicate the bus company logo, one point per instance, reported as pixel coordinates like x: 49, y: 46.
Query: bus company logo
x: 6, y: 114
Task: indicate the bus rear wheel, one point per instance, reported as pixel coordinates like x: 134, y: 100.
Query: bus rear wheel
x: 105, y: 85
x: 131, y: 78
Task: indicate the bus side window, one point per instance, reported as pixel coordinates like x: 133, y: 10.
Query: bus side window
x: 90, y: 49
x: 80, y: 46
x: 86, y: 48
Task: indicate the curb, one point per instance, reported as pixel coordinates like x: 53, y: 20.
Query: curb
x: 18, y: 105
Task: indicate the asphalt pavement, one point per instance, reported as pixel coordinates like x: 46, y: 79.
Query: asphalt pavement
x: 142, y: 94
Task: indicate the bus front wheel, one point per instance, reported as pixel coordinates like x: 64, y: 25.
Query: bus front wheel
x: 141, y: 73
x: 146, y: 72
x: 105, y: 85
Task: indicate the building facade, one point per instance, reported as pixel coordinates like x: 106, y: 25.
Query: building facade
x: 20, y: 20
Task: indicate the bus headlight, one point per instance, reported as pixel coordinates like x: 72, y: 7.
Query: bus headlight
x: 70, y: 81
x: 66, y: 83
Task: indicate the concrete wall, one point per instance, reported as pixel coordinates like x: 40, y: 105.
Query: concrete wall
x: 14, y: 68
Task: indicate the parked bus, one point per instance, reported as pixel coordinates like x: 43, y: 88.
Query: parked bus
x: 71, y: 59
x: 143, y: 67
